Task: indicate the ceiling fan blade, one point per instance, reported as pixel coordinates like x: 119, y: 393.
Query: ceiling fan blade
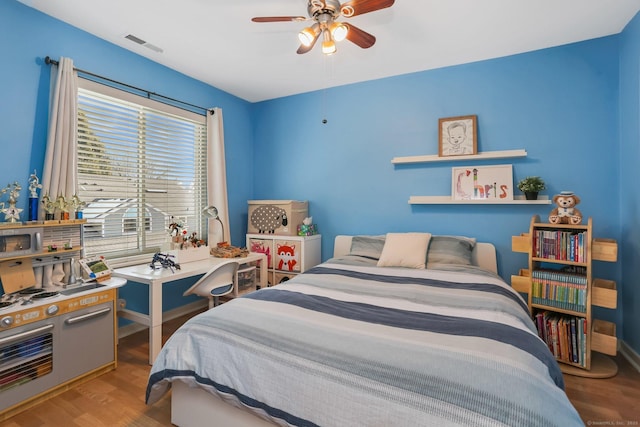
x: 360, y: 37
x: 304, y: 49
x: 278, y: 18
x: 359, y: 7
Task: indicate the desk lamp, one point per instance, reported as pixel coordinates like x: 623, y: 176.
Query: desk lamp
x: 212, y: 212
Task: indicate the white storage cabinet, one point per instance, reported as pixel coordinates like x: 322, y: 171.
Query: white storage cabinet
x: 287, y: 256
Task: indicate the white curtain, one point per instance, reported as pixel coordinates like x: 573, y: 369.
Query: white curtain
x: 59, y: 172
x: 217, y: 177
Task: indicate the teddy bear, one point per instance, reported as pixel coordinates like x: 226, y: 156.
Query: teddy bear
x: 565, y: 211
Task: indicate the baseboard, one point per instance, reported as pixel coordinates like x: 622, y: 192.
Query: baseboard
x: 630, y: 355
x: 132, y: 328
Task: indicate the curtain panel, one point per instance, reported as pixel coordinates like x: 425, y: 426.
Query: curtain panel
x: 60, y: 173
x: 217, y: 177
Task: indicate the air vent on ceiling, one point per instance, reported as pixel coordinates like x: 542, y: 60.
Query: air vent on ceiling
x: 143, y: 43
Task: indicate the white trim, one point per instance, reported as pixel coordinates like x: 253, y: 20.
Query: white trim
x: 630, y: 355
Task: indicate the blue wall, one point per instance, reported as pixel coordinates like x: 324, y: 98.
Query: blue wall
x: 559, y: 104
x: 574, y: 109
x: 630, y: 176
x: 24, y: 86
x: 24, y: 90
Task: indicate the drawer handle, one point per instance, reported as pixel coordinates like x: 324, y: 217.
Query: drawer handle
x: 25, y: 334
x: 73, y: 320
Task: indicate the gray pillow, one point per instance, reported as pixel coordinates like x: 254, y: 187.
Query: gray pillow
x: 450, y: 250
x: 367, y: 246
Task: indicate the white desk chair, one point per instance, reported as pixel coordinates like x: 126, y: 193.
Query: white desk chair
x: 219, y: 281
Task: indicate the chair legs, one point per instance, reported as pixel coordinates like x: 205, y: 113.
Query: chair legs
x: 213, y: 301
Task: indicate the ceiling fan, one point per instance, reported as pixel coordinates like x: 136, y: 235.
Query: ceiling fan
x: 325, y: 14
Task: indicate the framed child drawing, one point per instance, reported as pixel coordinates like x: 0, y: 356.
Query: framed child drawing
x: 482, y: 183
x: 457, y: 136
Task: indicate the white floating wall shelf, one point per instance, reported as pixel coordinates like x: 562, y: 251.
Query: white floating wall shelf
x: 447, y: 200
x: 480, y: 156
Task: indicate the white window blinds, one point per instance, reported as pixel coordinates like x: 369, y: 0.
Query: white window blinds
x: 141, y: 166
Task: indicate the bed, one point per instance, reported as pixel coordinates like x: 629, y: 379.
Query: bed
x: 369, y: 339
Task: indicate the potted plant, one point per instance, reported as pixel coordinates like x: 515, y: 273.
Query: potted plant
x: 531, y: 186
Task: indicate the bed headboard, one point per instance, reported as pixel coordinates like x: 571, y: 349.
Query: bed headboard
x: 483, y: 255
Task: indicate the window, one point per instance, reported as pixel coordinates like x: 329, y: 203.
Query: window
x: 140, y: 163
x: 130, y: 221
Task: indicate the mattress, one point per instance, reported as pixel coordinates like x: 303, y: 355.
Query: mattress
x: 348, y: 343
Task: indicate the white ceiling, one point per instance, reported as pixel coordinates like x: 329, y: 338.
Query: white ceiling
x: 216, y: 42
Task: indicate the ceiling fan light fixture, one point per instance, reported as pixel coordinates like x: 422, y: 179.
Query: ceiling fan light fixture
x: 338, y: 31
x: 324, y: 14
x: 328, y: 47
x: 308, y: 35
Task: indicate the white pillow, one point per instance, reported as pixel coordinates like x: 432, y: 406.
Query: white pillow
x: 405, y: 250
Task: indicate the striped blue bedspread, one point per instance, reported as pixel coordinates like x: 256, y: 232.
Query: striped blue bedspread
x: 355, y: 345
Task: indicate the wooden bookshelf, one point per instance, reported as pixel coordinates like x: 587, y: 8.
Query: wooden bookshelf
x: 561, y: 292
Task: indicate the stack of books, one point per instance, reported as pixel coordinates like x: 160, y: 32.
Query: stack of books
x: 558, y: 288
x: 566, y: 336
x: 560, y: 245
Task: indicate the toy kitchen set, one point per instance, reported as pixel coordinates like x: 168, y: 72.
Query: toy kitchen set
x: 56, y: 330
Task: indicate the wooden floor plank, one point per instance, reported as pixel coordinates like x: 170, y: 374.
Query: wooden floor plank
x: 610, y: 401
x: 117, y: 398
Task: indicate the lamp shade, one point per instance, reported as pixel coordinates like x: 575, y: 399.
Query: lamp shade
x: 339, y: 31
x: 212, y: 212
x: 328, y: 47
x: 308, y: 35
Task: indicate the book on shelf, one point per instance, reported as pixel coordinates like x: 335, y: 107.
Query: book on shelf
x: 564, y: 335
x: 560, y: 289
x: 554, y: 336
x: 562, y: 339
x: 559, y: 245
x: 583, y: 336
x: 574, y: 341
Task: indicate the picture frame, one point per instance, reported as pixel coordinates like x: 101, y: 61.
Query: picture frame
x: 482, y: 183
x: 458, y: 136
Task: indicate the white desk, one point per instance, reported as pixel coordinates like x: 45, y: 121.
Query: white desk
x: 143, y: 273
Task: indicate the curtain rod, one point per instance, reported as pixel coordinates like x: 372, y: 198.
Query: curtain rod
x: 50, y: 61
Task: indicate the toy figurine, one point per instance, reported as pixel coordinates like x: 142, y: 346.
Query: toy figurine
x: 77, y: 205
x: 61, y: 203
x: 565, y: 211
x: 49, y: 207
x: 11, y: 214
x: 165, y: 261
x: 34, y: 185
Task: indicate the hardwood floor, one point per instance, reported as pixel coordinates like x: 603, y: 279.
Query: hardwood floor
x: 607, y: 402
x: 117, y: 398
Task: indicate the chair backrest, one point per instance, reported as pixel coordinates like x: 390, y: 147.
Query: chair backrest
x: 218, y: 281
